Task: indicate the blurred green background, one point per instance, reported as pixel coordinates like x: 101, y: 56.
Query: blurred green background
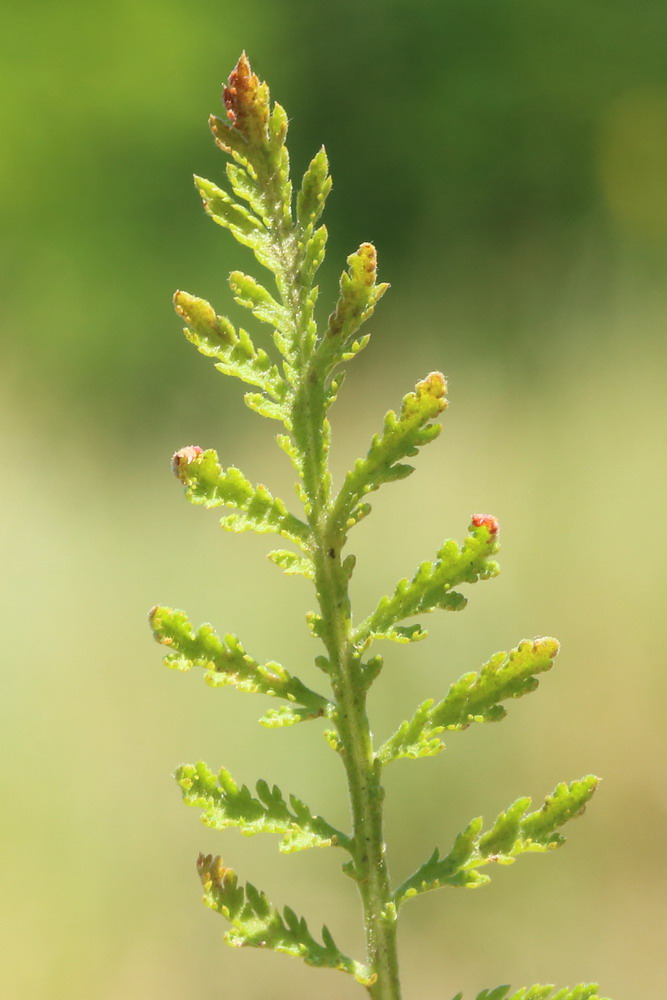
x: 509, y: 161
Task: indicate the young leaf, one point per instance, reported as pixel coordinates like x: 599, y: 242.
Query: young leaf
x: 315, y: 188
x: 512, y: 834
x: 312, y: 255
x: 585, y: 991
x: 234, y: 352
x: 245, y: 186
x: 401, y: 436
x: 253, y: 296
x: 227, y: 663
x: 432, y: 585
x: 245, y: 227
x: 359, y: 294
x: 224, y: 804
x: 256, y: 924
x: 293, y: 563
x: 208, y: 484
x: 255, y: 136
x: 473, y: 698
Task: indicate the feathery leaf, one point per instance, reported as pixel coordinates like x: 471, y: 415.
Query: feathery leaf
x: 208, y: 484
x: 253, y: 296
x: 227, y: 663
x: 293, y: 563
x: 315, y: 188
x: 585, y: 991
x: 513, y: 833
x: 256, y: 924
x: 359, y: 294
x: 431, y: 586
x: 234, y: 352
x: 401, y: 436
x: 225, y: 804
x: 475, y: 697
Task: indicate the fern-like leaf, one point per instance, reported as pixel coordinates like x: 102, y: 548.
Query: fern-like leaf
x: 225, y: 804
x: 293, y: 563
x: 513, y: 833
x: 402, y: 436
x: 255, y: 923
x: 359, y: 294
x: 475, y: 697
x: 585, y: 991
x: 315, y: 187
x: 255, y: 297
x: 234, y: 352
x: 227, y: 663
x: 433, y: 583
x: 256, y: 509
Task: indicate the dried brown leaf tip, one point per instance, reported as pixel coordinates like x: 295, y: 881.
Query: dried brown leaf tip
x: 247, y: 102
x: 212, y: 872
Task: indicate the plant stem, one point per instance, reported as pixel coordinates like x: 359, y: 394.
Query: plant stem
x: 345, y: 669
x: 363, y: 770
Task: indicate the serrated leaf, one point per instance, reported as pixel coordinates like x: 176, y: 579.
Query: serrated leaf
x: 257, y: 924
x: 267, y: 408
x: 312, y: 254
x: 257, y: 510
x: 315, y: 188
x: 359, y: 294
x: 245, y: 186
x: 513, y: 833
x: 401, y: 436
x: 475, y: 697
x: 255, y: 297
x: 226, y: 662
x: 585, y: 991
x: 225, y: 804
x: 433, y: 583
x: 243, y: 225
x: 234, y: 352
x: 415, y: 737
x: 566, y: 802
x: 293, y: 563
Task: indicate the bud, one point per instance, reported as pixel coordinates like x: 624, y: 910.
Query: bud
x: 181, y: 459
x: 486, y: 521
x: 246, y: 101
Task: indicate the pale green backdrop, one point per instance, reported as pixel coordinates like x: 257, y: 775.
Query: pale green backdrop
x: 509, y: 162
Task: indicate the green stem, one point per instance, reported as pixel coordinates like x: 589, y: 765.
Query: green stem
x: 362, y: 769
x: 363, y: 772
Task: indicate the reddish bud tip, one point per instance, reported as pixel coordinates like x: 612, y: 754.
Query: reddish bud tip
x: 182, y: 458
x: 486, y: 521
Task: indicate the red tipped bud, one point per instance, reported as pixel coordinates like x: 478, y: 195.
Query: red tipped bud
x: 486, y: 521
x: 181, y: 459
x: 246, y: 101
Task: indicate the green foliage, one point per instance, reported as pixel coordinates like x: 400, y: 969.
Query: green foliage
x: 256, y: 510
x: 513, y: 833
x: 226, y: 662
x: 473, y: 698
x: 584, y: 991
x: 256, y: 924
x: 224, y: 804
x: 431, y: 586
x: 401, y: 437
x: 295, y: 379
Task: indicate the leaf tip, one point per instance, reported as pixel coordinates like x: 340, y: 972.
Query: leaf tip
x: 184, y: 457
x: 485, y: 521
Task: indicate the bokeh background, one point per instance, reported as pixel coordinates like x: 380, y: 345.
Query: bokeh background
x: 509, y: 161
